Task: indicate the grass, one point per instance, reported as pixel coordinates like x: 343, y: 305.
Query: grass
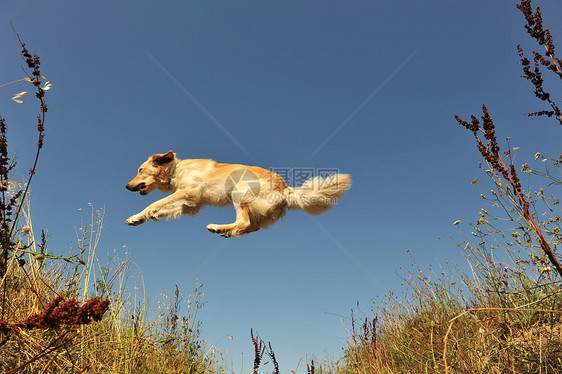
x: 503, y: 315
x: 128, y: 339
x: 501, y: 312
x: 68, y: 313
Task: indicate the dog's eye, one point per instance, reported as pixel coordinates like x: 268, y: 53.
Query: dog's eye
x: 140, y: 170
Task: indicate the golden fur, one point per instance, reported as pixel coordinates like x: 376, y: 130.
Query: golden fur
x: 260, y: 197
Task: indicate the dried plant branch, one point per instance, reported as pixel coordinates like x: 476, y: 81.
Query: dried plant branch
x: 310, y: 369
x: 33, y: 62
x: 11, y: 206
x: 259, y: 349
x: 59, y: 313
x: 490, y: 152
x: 271, y: 355
x: 549, y: 60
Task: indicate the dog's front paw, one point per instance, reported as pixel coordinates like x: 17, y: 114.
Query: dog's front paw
x: 135, y: 220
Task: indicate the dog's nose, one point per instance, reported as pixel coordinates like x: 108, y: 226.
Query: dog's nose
x: 131, y: 187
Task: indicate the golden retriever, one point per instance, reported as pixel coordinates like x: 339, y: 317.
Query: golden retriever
x: 259, y: 196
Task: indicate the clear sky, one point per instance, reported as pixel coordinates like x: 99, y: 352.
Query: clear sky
x: 366, y: 87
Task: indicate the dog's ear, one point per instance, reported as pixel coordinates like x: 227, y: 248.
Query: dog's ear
x: 164, y: 159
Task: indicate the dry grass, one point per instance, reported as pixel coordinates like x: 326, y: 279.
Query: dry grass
x: 502, y: 313
x: 506, y: 321
x: 128, y: 339
x: 69, y: 313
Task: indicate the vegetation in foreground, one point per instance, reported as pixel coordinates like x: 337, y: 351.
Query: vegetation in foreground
x: 504, y: 315
x: 129, y: 338
x: 68, y: 314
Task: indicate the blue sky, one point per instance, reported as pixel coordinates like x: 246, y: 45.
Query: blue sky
x: 366, y: 87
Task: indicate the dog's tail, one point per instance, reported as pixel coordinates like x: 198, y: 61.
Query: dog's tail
x: 318, y: 194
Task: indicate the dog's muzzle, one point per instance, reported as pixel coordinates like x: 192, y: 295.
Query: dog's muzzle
x: 139, y: 187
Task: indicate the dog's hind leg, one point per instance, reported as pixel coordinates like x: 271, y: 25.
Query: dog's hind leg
x: 241, y: 226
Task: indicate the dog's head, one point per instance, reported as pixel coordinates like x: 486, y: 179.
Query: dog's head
x: 153, y: 174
